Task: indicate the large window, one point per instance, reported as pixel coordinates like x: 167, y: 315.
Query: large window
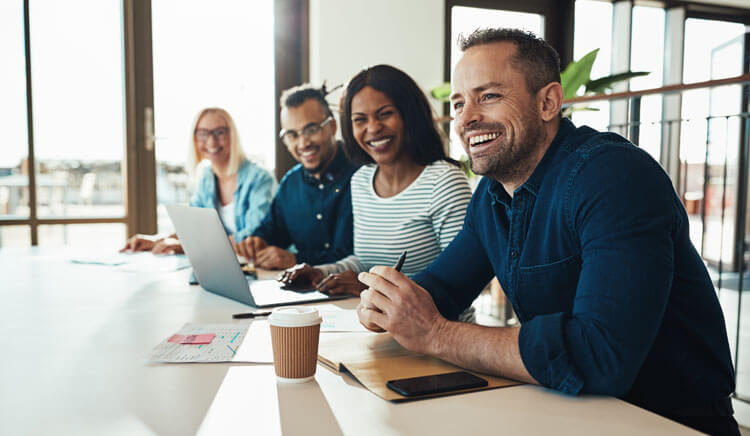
x: 77, y: 74
x: 115, y: 88
x: 210, y: 54
x: 713, y: 50
x: 76, y: 55
x: 14, y: 192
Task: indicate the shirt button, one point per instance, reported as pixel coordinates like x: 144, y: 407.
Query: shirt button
x: 514, y: 254
x: 319, y: 216
x: 321, y: 186
x: 327, y: 245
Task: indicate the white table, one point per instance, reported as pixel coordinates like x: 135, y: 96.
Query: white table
x: 77, y: 337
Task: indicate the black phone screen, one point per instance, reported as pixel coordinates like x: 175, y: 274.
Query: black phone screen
x: 432, y: 384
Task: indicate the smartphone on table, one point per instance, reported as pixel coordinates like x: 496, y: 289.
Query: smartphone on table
x: 434, y: 384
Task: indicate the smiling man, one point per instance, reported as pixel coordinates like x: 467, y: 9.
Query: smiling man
x: 589, y: 241
x: 312, y: 210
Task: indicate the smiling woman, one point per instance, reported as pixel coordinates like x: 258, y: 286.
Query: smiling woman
x: 239, y: 190
x: 377, y: 127
x: 408, y: 196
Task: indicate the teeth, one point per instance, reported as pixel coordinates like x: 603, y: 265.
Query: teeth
x: 483, y: 138
x: 380, y: 142
x: 308, y: 153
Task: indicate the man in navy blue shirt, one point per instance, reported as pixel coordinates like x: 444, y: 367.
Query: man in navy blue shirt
x: 312, y: 210
x: 589, y: 241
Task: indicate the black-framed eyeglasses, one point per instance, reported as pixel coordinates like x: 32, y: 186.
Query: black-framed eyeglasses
x: 218, y: 133
x: 289, y: 137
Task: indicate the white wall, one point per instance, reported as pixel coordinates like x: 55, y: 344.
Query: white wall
x: 348, y: 35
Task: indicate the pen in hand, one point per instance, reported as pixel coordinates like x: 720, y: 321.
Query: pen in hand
x: 397, y: 267
x: 325, y: 279
x: 400, y: 261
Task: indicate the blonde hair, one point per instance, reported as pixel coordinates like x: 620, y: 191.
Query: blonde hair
x: 236, y: 155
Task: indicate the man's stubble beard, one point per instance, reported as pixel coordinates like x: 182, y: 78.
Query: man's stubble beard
x: 514, y: 158
x: 325, y: 160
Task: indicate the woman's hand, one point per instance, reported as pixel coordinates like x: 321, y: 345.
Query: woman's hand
x: 140, y: 242
x: 343, y: 283
x: 302, y: 273
x: 167, y: 245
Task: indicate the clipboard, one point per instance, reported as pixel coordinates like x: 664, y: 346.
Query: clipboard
x: 375, y: 358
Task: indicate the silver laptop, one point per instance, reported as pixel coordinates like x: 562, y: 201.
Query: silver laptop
x: 217, y: 269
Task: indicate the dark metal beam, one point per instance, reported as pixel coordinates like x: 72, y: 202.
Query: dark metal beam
x: 140, y: 164
x: 30, y: 160
x: 291, y: 57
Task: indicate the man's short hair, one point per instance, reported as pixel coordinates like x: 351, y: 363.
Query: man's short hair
x: 534, y: 57
x: 294, y: 97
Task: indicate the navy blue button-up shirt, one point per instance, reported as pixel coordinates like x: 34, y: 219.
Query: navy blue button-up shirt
x: 314, y: 215
x: 594, y: 254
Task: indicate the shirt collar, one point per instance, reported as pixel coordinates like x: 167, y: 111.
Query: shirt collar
x: 535, y: 180
x: 497, y: 193
x: 338, y: 167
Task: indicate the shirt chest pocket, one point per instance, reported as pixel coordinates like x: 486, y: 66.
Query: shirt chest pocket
x: 548, y: 288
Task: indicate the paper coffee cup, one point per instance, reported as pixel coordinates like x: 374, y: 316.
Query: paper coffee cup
x: 294, y: 336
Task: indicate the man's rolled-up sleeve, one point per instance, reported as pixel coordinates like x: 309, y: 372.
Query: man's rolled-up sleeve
x: 459, y: 273
x: 623, y: 210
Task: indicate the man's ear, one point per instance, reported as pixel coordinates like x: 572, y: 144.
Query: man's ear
x: 550, y: 99
x: 334, y: 126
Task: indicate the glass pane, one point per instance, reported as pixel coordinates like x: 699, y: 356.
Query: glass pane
x: 593, y: 29
x: 103, y: 237
x: 710, y: 145
x: 14, y: 181
x: 15, y: 236
x: 465, y: 20
x: 742, y: 315
x: 77, y: 75
x: 210, y: 54
x: 647, y: 54
x: 647, y: 47
x: 706, y: 56
x: 712, y: 51
x: 650, y: 127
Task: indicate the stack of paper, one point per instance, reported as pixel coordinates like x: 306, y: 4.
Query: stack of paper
x: 232, y: 343
x: 138, y: 262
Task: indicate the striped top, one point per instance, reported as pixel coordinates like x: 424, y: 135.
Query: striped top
x: 423, y: 219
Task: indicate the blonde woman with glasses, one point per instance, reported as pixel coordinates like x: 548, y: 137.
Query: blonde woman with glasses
x: 240, y: 191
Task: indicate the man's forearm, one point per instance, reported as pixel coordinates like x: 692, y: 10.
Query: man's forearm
x: 490, y: 350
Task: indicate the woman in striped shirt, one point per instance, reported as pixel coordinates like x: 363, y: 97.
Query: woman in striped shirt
x: 408, y: 195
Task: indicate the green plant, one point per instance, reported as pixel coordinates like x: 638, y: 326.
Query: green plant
x: 578, y: 74
x: 441, y: 92
x: 463, y: 161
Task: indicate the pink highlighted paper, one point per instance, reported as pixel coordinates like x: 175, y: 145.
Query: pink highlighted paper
x: 192, y: 339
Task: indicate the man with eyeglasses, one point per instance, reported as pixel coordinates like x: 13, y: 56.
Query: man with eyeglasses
x: 310, y: 219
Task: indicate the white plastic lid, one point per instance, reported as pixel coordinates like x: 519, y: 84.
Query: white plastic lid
x: 295, y: 316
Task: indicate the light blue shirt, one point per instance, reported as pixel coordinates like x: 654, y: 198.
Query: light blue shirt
x: 252, y: 198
